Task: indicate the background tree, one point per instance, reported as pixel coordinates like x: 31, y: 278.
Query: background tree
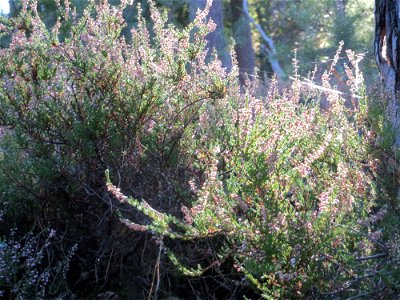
x: 216, y: 39
x: 243, y: 40
x: 315, y: 29
x: 387, y: 51
x: 14, y: 7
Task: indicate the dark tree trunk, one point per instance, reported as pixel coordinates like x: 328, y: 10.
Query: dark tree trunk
x: 387, y: 51
x: 215, y: 40
x: 14, y: 8
x: 341, y: 8
x: 243, y: 43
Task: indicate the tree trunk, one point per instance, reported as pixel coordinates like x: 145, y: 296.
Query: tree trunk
x: 215, y: 40
x: 341, y: 8
x: 243, y: 43
x: 14, y: 8
x: 387, y: 51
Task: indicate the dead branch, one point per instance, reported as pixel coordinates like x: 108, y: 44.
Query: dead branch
x: 270, y: 50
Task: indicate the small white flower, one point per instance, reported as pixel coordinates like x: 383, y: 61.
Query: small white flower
x: 52, y: 233
x: 293, y: 262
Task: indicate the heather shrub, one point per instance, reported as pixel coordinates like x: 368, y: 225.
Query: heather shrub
x: 34, y: 267
x: 72, y: 109
x: 95, y: 102
x: 384, y: 220
x: 285, y: 186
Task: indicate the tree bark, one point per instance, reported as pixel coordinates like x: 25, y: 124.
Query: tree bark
x: 243, y: 42
x: 216, y: 39
x: 341, y: 8
x: 387, y: 51
x: 14, y: 8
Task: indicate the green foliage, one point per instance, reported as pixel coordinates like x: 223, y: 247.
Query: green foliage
x: 283, y: 184
x: 285, y: 200
x: 315, y: 28
x: 379, y: 126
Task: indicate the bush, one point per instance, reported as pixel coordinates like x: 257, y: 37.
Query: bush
x: 285, y: 186
x: 34, y: 267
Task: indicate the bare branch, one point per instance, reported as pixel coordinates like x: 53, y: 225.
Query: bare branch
x: 270, y: 50
x: 379, y: 255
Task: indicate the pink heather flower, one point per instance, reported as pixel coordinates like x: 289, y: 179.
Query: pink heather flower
x: 336, y: 57
x: 133, y: 226
x: 378, y: 216
x: 244, y: 207
x: 324, y: 201
x: 278, y: 224
x: 309, y: 226
x: 18, y: 40
x: 187, y: 215
x: 303, y: 169
x: 212, y: 173
x: 285, y: 277
x: 116, y: 192
x: 377, y: 235
x: 201, y: 15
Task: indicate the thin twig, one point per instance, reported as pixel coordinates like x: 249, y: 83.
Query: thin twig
x: 318, y: 87
x: 156, y: 272
x: 379, y: 255
x: 361, y: 295
x: 350, y: 283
